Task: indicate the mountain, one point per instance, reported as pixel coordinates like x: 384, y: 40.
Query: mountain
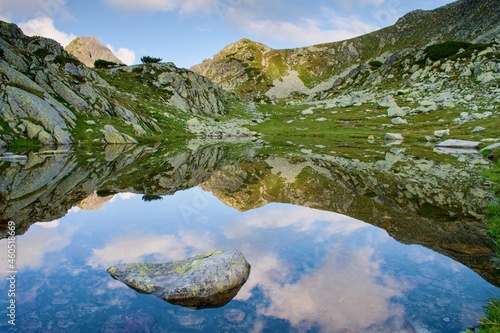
x: 48, y: 96
x: 251, y: 69
x: 89, y: 49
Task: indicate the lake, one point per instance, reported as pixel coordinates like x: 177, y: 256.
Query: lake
x: 368, y: 238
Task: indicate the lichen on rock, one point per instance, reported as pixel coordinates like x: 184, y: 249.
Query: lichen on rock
x: 207, y: 280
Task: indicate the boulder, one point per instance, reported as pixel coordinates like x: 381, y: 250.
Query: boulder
x: 395, y: 111
x: 478, y: 129
x: 393, y: 137
x: 399, y: 121
x: 113, y: 136
x: 458, y: 144
x: 387, y: 101
x: 441, y: 133
x: 491, y: 147
x: 207, y: 280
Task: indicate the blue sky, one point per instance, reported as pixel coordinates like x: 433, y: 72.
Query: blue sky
x: 188, y: 31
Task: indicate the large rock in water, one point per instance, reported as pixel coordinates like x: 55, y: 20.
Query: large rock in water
x: 203, y: 281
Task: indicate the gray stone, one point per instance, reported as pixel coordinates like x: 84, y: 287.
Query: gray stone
x: 13, y: 158
x: 139, y: 131
x: 399, y: 121
x: 207, y: 280
x: 31, y: 129
x: 46, y: 138
x: 113, y: 136
x: 393, y: 137
x: 387, y: 101
x: 69, y: 96
x: 478, y: 129
x: 486, y: 77
x: 395, y: 111
x: 458, y: 144
x: 491, y: 147
x: 441, y: 133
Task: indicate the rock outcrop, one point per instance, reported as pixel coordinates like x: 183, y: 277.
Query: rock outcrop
x: 180, y: 88
x: 45, y: 92
x: 203, y: 281
x: 48, y: 95
x: 89, y: 49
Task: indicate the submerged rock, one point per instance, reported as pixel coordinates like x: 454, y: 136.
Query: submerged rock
x: 207, y: 280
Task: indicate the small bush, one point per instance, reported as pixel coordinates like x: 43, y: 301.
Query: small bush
x: 150, y: 198
x: 1, y: 53
x: 374, y: 64
x: 62, y: 60
x: 446, y: 49
x: 42, y: 53
x: 150, y: 60
x: 101, y: 63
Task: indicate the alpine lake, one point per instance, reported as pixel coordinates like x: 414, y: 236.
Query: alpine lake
x: 365, y: 237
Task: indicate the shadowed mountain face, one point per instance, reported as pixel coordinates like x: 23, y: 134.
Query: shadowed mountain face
x: 418, y: 201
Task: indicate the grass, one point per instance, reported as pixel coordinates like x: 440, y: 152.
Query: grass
x: 490, y: 323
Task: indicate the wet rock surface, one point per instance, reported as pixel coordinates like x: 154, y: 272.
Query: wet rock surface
x: 203, y: 281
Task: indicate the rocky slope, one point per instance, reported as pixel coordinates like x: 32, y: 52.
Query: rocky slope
x: 49, y: 96
x: 252, y: 69
x: 89, y: 49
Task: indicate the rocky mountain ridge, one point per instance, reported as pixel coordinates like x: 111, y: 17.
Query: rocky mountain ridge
x: 49, y: 96
x: 89, y: 49
x: 251, y: 69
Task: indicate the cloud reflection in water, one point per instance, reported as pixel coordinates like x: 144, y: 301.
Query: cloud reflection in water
x: 313, y: 267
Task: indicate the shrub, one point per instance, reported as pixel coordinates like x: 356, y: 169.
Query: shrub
x: 446, y: 49
x: 63, y: 60
x: 374, y: 64
x: 149, y: 197
x: 1, y: 53
x: 101, y: 63
x: 150, y: 60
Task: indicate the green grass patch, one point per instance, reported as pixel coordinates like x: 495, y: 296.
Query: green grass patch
x: 450, y: 49
x: 490, y: 323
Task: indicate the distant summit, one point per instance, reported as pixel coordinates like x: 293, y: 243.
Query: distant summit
x: 89, y: 49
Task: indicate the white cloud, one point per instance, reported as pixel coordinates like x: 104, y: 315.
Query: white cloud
x: 124, y: 54
x: 44, y: 26
x: 48, y: 225
x: 182, y: 6
x: 305, y: 31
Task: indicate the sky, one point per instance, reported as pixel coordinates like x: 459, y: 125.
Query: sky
x: 186, y: 32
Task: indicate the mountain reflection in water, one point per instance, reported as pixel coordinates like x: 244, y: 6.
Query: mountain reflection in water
x: 312, y: 269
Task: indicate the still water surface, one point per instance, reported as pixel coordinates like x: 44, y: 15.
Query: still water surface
x: 312, y: 270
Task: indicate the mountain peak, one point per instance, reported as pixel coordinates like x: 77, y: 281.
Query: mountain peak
x: 88, y: 49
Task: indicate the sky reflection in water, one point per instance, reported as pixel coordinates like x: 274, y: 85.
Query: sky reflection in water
x: 311, y: 271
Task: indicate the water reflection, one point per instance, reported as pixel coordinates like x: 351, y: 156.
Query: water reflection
x: 311, y: 270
